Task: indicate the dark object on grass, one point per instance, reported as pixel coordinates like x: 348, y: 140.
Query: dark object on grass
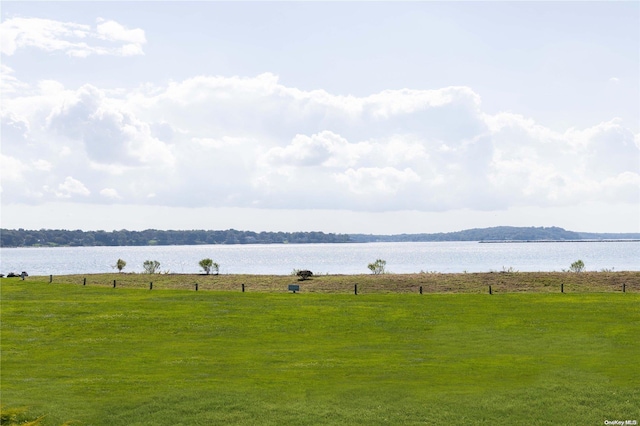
x: 304, y: 275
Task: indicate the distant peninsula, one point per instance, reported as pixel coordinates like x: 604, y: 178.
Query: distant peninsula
x: 151, y: 237
x: 499, y: 234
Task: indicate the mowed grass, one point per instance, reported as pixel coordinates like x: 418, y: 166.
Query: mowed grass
x: 127, y: 356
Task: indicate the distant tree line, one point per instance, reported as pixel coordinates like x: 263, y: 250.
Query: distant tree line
x: 150, y: 237
x: 498, y: 233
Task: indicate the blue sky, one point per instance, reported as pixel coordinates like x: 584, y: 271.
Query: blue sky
x: 342, y: 117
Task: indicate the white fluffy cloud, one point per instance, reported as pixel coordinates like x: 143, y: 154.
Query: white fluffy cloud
x: 79, y: 40
x: 110, y: 193
x: 71, y: 187
x: 8, y: 82
x: 377, y: 181
x: 254, y: 142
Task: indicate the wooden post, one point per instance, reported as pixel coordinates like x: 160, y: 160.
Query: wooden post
x: 50, y: 278
x: 84, y: 281
x: 624, y: 287
x: 114, y: 283
x: 243, y: 288
x: 490, y: 292
x: 420, y: 289
x: 196, y: 286
x: 151, y: 286
x: 561, y: 287
x: 355, y: 289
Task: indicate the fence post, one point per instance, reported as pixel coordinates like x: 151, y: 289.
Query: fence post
x: 355, y: 289
x: 420, y: 289
x: 114, y: 283
x: 561, y: 287
x: 196, y: 286
x: 490, y: 292
x: 50, y: 278
x: 243, y: 288
x: 84, y: 281
x: 624, y: 287
x: 151, y: 286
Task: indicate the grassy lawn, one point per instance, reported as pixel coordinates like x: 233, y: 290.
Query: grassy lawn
x: 125, y: 356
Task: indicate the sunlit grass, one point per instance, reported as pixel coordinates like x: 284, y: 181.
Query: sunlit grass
x: 101, y: 356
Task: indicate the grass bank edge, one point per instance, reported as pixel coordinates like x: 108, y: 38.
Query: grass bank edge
x: 507, y: 282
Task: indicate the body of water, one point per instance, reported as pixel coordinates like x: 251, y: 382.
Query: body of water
x: 281, y: 259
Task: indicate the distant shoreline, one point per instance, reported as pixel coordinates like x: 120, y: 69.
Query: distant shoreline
x: 622, y: 240
x: 155, y: 237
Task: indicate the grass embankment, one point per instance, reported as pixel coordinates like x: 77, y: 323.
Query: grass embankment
x: 131, y: 357
x: 588, y: 282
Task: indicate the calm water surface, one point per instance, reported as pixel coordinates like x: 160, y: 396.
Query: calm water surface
x: 329, y: 258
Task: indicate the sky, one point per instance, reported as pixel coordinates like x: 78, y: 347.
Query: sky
x: 348, y: 117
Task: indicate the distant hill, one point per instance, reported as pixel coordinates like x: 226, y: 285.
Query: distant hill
x: 498, y: 233
x: 66, y: 238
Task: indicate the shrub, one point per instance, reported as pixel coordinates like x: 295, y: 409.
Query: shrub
x: 209, y: 265
x: 577, y: 266
x: 377, y: 267
x: 120, y: 264
x: 151, y: 266
x: 304, y: 274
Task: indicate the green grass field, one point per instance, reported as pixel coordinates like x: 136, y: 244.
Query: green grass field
x: 94, y: 355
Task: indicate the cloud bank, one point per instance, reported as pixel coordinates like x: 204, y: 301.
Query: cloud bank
x: 73, y: 39
x: 255, y: 142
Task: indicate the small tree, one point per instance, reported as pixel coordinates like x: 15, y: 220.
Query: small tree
x: 209, y: 265
x: 151, y: 266
x: 120, y: 264
x: 377, y: 267
x: 304, y: 274
x: 577, y: 266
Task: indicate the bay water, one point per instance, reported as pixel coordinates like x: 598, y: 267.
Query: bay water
x: 282, y: 259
